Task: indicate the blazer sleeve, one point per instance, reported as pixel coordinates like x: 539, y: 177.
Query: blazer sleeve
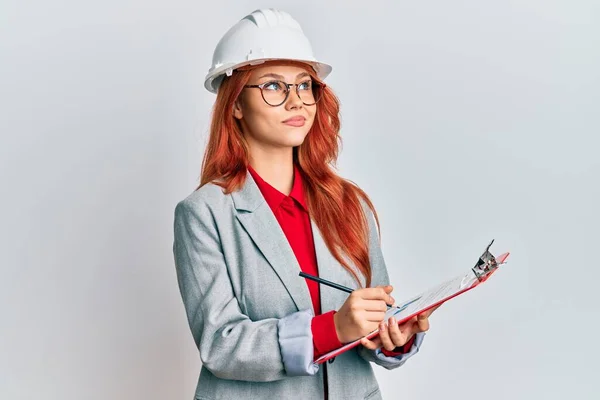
x: 380, y: 277
x: 231, y: 345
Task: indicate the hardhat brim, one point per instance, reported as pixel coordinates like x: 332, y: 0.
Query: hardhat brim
x: 214, y: 78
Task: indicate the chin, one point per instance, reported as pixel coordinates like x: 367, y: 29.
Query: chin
x: 295, y: 138
x: 289, y: 138
x: 292, y: 143
x: 297, y: 141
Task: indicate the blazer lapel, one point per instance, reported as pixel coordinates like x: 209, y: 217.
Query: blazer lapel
x: 261, y: 224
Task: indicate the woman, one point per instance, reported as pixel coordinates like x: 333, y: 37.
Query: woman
x: 268, y: 206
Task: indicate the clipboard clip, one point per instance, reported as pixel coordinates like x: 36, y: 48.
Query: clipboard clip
x: 486, y: 264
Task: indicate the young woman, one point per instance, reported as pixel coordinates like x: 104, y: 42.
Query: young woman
x: 268, y: 206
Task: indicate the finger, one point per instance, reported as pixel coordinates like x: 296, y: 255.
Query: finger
x: 388, y: 288
x: 371, y: 344
x: 374, y: 316
x: 408, y: 326
x: 399, y: 338
x: 376, y: 293
x: 373, y: 305
x: 423, y: 323
x: 384, y: 335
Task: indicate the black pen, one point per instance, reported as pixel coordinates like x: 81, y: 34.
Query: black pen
x: 332, y: 284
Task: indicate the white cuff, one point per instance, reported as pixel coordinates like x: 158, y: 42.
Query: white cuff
x: 296, y: 343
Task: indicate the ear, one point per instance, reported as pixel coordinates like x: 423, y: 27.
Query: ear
x: 237, y: 109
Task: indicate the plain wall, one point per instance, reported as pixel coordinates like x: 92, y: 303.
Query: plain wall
x: 464, y: 121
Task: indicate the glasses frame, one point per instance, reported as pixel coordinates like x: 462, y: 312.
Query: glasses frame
x: 287, y: 86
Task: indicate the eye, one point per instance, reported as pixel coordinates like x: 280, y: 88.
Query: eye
x: 306, y: 85
x: 274, y: 86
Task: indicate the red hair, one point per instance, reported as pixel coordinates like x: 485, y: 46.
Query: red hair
x: 333, y: 202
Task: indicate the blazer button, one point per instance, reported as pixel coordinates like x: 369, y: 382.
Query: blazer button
x: 331, y: 360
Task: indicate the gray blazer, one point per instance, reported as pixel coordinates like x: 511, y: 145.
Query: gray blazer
x: 250, y: 312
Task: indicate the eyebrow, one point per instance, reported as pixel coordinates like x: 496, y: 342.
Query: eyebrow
x: 276, y: 76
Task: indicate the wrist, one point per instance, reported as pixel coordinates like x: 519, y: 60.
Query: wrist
x: 337, y: 328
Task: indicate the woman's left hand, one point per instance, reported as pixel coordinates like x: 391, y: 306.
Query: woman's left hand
x: 393, y: 335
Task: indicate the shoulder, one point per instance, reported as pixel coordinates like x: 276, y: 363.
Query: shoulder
x: 208, y: 198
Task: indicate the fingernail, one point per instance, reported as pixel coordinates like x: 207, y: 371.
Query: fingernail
x: 382, y: 326
x: 392, y: 320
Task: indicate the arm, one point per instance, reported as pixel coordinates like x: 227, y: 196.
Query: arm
x: 381, y: 277
x: 231, y: 345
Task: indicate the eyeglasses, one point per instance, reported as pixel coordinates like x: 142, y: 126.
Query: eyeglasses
x: 275, y: 93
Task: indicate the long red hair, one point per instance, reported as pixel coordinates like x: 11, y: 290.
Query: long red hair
x: 333, y: 202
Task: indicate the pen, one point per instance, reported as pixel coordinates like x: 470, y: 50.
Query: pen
x: 331, y: 284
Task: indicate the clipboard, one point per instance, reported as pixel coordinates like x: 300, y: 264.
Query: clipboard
x: 485, y: 266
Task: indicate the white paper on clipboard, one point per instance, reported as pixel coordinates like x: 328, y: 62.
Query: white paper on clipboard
x: 485, y: 267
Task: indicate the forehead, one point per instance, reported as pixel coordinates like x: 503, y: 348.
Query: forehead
x: 289, y: 72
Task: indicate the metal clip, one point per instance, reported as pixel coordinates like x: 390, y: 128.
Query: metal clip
x: 486, y: 263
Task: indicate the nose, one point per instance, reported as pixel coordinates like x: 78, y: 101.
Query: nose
x: 293, y: 100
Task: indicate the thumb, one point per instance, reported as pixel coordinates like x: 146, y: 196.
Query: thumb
x: 423, y: 323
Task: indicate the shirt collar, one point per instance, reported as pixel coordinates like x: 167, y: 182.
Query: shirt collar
x: 273, y: 196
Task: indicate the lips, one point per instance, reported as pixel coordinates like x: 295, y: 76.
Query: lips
x: 295, y: 121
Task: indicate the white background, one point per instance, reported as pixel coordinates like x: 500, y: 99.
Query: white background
x: 464, y: 121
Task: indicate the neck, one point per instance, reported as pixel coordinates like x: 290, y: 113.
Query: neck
x: 277, y: 169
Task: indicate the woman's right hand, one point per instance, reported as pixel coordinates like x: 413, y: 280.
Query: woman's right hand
x: 362, y: 312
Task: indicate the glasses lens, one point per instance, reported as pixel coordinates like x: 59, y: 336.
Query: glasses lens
x: 309, y: 92
x: 274, y: 92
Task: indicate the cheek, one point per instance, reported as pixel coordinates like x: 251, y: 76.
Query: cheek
x: 311, y: 119
x: 262, y: 121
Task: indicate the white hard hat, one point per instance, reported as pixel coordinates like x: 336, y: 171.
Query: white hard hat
x: 266, y: 34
